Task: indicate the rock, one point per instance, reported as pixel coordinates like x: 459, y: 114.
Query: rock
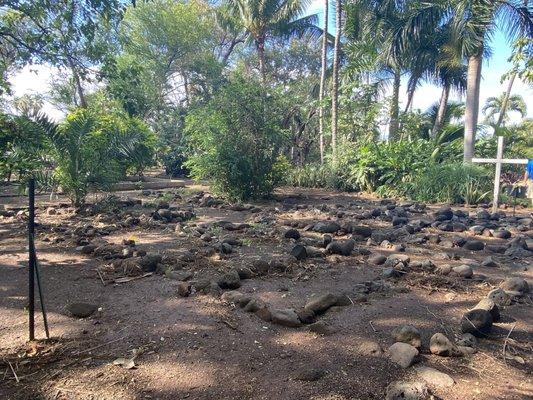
x: 440, y: 345
x: 474, y: 245
x: 489, y: 263
x: 184, y: 289
x: 499, y: 297
x: 321, y: 304
x: 377, y: 259
x: 292, y: 234
x: 264, y: 313
x: 326, y: 227
x: 260, y: 267
x: 465, y: 350
x: 403, y: 354
x: 464, y: 271
x: 477, y: 322
x: 322, y: 328
x: 285, y: 317
x: 308, y: 374
x: 443, y: 214
x: 390, y: 272
x: 501, y: 234
x: 299, y: 252
x: 341, y: 247
x: 467, y: 340
x: 490, y: 306
x: 149, y: 262
x: 326, y: 239
x: 254, y: 305
x: 88, y: 248
x: 360, y: 230
x: 435, y: 377
x: 230, y: 280
x: 165, y: 213
x: 314, y: 252
x: 306, y: 316
x: 233, y: 296
x: 178, y: 275
x: 370, y: 349
x: 398, y: 221
x: 232, y: 241
x: 407, y: 334
x: 225, y: 248
x: 244, y: 272
x: 515, y: 284
x: 81, y: 310
x: 402, y: 390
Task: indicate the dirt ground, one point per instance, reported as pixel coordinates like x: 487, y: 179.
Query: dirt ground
x: 200, y: 347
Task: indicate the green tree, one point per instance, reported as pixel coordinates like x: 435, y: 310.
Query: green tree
x: 501, y: 106
x: 264, y: 20
x: 475, y: 21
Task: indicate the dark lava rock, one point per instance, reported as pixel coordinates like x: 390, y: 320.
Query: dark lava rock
x: 474, y: 245
x: 231, y: 280
x: 321, y: 304
x: 292, y: 234
x: 341, y: 247
x: 82, y: 310
x: 149, y: 262
x: 299, y: 252
x: 326, y: 227
x: 477, y: 322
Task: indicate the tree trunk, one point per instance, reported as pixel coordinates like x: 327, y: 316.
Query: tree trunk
x: 323, y: 81
x: 395, y: 106
x: 439, y: 119
x: 77, y: 82
x: 472, y: 104
x: 260, y: 46
x: 505, y: 102
x: 335, y: 88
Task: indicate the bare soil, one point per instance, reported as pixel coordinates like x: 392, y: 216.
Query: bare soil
x: 200, y: 347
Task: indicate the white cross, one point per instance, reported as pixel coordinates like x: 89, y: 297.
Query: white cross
x: 499, y: 161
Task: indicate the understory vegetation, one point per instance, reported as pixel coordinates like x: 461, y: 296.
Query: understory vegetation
x: 249, y: 95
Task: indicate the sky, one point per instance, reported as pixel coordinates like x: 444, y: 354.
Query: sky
x: 36, y: 78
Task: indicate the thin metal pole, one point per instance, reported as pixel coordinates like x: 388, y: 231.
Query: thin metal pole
x: 31, y: 272
x: 497, y: 175
x: 40, y: 288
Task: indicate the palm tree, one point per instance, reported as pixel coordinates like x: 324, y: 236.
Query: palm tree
x: 475, y: 21
x: 502, y: 105
x: 323, y: 81
x: 335, y: 86
x: 272, y: 18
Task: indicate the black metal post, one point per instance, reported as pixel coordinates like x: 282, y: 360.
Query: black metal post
x: 31, y: 272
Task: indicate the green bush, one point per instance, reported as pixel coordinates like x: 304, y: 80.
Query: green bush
x: 450, y: 183
x: 315, y: 176
x: 92, y: 149
x: 235, y: 140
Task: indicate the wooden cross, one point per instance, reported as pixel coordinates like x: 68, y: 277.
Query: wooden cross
x: 499, y: 161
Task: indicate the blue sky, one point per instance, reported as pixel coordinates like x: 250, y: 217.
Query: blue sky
x: 35, y: 79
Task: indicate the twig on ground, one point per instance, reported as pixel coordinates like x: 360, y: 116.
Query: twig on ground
x: 14, y: 373
x: 505, y: 342
x: 372, y: 326
x: 100, y: 276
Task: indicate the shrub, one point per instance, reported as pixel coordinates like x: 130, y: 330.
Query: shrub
x: 235, y: 140
x: 315, y: 176
x: 450, y: 183
x: 96, y: 149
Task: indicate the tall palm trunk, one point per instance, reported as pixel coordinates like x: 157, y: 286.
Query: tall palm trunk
x: 323, y: 81
x: 505, y: 101
x: 439, y: 119
x: 335, y: 88
x: 395, y: 106
x: 472, y: 104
